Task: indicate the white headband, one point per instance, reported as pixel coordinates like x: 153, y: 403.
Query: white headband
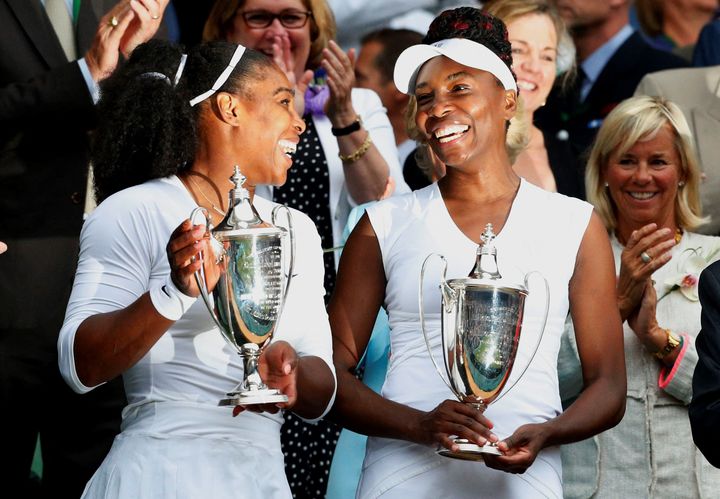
x: 222, y: 78
x: 461, y: 50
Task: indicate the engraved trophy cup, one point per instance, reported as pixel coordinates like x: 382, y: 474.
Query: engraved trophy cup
x: 248, y: 299
x: 482, y: 318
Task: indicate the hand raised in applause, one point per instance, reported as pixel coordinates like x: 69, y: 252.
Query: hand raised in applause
x: 453, y: 418
x: 144, y: 24
x: 283, y: 57
x: 340, y: 69
x: 519, y: 450
x: 278, y: 366
x: 189, y: 248
x: 124, y: 27
x: 644, y: 323
x: 634, y: 272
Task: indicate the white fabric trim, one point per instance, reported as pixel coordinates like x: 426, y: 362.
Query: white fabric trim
x: 466, y: 52
x: 169, y: 301
x: 239, y: 51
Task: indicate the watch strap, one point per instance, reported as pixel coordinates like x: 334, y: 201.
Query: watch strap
x: 347, y: 130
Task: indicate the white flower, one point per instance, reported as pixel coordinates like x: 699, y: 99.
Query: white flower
x: 690, y: 263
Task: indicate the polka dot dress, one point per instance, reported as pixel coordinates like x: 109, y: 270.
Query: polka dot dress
x: 308, y: 448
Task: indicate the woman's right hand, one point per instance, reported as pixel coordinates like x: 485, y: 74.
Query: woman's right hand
x: 189, y: 248
x: 634, y: 272
x: 283, y: 57
x: 454, y: 418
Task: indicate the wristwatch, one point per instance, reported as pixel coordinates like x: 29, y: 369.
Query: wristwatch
x: 347, y: 130
x: 672, y: 343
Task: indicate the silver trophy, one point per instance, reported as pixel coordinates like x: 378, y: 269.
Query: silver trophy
x: 248, y: 299
x: 482, y: 318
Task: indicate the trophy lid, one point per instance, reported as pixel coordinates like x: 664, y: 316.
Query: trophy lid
x: 485, y: 273
x: 242, y: 218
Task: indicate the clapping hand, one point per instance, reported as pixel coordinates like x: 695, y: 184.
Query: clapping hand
x: 644, y: 323
x: 277, y: 366
x: 283, y: 57
x: 340, y: 69
x: 647, y: 249
x: 124, y: 27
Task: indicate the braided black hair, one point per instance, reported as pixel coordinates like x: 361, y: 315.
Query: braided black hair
x: 472, y: 24
x: 146, y: 127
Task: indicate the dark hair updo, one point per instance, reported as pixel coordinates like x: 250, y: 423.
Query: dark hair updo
x: 146, y: 127
x: 472, y: 24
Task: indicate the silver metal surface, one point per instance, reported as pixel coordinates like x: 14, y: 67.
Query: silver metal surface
x: 248, y: 299
x: 482, y: 320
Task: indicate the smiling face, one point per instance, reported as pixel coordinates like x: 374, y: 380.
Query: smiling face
x: 534, y: 48
x: 262, y: 39
x: 462, y: 110
x: 643, y: 182
x: 272, y: 129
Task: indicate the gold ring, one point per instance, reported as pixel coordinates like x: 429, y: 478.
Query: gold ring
x: 645, y: 257
x: 113, y: 22
x: 155, y: 17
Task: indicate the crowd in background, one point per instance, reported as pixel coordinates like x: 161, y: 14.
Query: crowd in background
x: 614, y: 104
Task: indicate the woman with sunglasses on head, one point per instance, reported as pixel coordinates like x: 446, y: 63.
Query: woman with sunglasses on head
x: 167, y: 120
x: 466, y: 94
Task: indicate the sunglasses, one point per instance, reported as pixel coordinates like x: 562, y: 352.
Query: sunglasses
x: 289, y: 18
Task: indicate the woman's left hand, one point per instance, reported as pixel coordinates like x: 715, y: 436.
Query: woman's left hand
x: 644, y: 323
x: 519, y: 450
x: 278, y: 369
x: 340, y: 69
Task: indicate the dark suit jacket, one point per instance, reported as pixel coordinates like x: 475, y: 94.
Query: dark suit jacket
x: 704, y: 410
x: 566, y: 119
x: 45, y: 113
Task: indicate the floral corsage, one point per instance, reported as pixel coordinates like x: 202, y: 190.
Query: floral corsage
x: 691, y: 262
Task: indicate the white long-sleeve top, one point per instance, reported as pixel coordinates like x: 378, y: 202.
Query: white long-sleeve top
x: 123, y: 255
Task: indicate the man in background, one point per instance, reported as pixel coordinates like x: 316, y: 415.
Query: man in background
x: 53, y: 54
x: 612, y: 58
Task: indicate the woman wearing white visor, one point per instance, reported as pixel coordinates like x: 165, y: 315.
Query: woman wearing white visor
x: 466, y: 93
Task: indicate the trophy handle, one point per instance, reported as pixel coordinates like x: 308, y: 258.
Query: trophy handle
x: 450, y: 293
x: 200, y: 277
x: 291, y: 234
x: 542, y: 330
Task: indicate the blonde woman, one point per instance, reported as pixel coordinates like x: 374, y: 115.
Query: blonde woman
x: 542, y: 50
x: 642, y: 177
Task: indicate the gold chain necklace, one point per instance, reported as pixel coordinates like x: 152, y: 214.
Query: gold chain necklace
x: 217, y: 210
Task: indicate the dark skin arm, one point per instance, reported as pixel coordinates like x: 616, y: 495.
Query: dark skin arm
x: 358, y: 295
x: 598, y: 331
x: 108, y: 344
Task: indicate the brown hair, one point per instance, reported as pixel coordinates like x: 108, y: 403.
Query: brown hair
x: 322, y: 25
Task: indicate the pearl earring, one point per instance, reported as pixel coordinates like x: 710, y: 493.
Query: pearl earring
x: 681, y: 183
x: 606, y: 184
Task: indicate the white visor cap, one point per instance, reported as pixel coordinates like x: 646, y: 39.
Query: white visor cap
x: 461, y: 50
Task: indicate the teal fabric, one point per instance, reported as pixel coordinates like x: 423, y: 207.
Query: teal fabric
x: 350, y: 450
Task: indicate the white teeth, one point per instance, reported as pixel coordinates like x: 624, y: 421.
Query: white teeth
x: 450, y: 132
x: 526, y: 85
x: 641, y: 195
x: 287, y: 147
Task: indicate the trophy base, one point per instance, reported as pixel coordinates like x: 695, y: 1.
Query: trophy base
x: 469, y: 451
x: 254, y: 397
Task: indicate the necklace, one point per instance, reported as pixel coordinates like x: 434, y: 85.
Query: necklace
x: 678, y: 235
x: 215, y: 208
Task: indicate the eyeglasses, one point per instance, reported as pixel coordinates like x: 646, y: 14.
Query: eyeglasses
x: 288, y: 18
